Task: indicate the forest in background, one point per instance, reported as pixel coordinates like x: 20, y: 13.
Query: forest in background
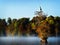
x: 40, y: 25
x: 24, y: 26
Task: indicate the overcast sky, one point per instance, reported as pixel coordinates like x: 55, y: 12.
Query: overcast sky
x: 26, y: 8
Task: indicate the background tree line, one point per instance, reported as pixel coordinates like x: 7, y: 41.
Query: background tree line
x: 46, y: 25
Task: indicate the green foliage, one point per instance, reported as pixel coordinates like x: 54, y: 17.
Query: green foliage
x: 33, y: 25
x: 51, y: 22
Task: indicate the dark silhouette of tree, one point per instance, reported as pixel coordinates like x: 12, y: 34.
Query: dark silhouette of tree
x: 57, y: 25
x: 51, y: 22
x: 23, y: 25
x: 9, y: 20
x: 3, y: 25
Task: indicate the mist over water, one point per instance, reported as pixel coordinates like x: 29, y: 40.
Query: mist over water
x: 28, y: 41
x: 19, y: 41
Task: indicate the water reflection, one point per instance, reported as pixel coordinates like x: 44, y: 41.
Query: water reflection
x: 28, y: 41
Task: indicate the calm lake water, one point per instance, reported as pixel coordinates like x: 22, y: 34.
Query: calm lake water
x: 28, y: 41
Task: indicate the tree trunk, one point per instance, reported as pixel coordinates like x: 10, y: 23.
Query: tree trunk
x: 44, y: 40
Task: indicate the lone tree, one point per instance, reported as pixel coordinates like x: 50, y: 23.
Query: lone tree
x: 43, y: 26
x: 43, y: 31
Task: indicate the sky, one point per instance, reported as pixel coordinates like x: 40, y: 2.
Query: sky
x: 26, y: 8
